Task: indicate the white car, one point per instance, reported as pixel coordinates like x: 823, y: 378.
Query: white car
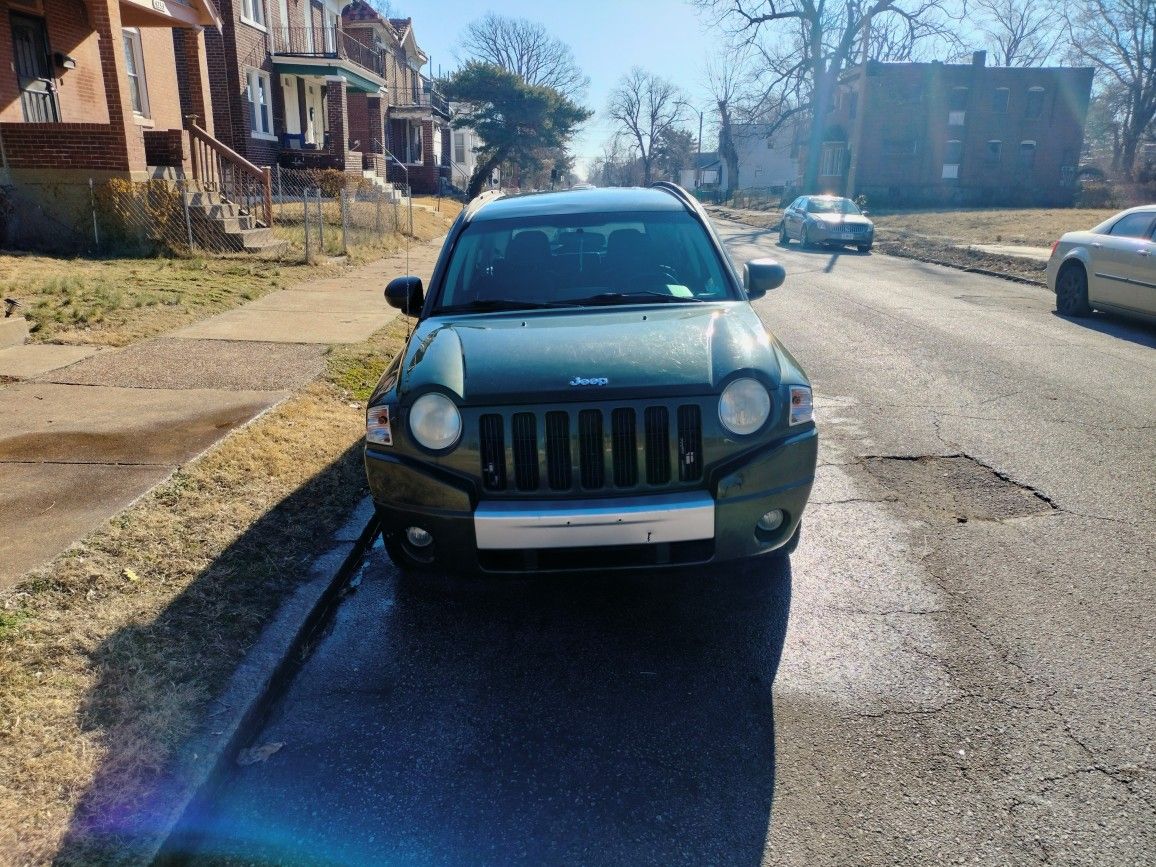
x: 1111, y: 267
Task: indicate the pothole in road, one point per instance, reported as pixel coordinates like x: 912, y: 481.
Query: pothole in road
x: 957, y: 486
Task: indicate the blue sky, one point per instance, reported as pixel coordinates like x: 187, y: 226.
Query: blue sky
x: 665, y: 37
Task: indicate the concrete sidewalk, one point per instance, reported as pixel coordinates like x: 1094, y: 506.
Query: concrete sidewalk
x: 86, y: 432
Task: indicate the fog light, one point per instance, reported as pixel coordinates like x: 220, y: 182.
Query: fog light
x: 418, y: 537
x: 772, y: 520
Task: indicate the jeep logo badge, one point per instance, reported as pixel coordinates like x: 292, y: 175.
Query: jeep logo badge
x: 600, y: 380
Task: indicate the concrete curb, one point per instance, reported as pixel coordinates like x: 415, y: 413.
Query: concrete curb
x: 233, y: 719
x: 1015, y: 278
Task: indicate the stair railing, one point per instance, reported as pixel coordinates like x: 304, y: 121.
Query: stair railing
x: 220, y: 169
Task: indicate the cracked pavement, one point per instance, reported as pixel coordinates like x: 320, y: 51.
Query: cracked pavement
x: 1017, y: 704
x: 934, y: 680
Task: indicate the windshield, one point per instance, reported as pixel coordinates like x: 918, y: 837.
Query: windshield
x: 563, y: 260
x: 831, y: 206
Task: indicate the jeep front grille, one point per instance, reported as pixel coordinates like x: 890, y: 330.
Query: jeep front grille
x: 586, y: 451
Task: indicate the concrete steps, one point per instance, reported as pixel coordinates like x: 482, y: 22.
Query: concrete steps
x: 219, y: 224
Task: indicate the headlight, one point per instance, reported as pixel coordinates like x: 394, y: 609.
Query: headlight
x: 435, y: 422
x: 744, y: 406
x: 802, y: 409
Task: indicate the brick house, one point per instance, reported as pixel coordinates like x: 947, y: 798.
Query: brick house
x: 308, y: 84
x: 964, y: 134
x: 93, y: 89
x: 414, y: 115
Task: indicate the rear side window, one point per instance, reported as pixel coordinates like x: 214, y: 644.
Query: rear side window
x: 567, y: 258
x: 1133, y: 226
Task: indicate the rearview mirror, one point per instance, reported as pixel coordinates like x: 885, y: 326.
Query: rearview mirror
x: 405, y: 293
x: 763, y: 275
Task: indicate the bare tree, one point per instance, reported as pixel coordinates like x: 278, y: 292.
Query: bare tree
x: 525, y: 48
x: 1018, y: 32
x: 809, y: 43
x: 646, y: 107
x: 729, y: 80
x: 1119, y: 38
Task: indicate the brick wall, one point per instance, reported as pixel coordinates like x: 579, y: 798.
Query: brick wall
x: 87, y: 145
x: 80, y: 91
x: 913, y: 103
x: 165, y: 147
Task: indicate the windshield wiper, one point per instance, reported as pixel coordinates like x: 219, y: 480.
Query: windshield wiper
x: 489, y: 304
x: 631, y: 297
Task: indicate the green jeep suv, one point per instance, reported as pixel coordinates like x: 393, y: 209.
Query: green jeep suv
x: 588, y: 387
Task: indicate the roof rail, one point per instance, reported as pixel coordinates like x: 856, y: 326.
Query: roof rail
x: 675, y: 190
x: 480, y: 201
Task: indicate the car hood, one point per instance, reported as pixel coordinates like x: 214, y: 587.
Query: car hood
x: 584, y: 355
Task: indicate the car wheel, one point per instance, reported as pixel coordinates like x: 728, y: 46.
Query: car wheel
x: 808, y: 242
x: 864, y: 248
x: 784, y: 238
x: 1072, y: 291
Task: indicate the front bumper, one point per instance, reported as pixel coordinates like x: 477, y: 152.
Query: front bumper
x: 824, y: 234
x: 715, y: 524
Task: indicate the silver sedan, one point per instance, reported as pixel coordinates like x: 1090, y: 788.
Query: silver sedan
x: 826, y: 220
x: 1111, y: 267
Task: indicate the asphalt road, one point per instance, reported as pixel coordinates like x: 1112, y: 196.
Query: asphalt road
x: 958, y: 666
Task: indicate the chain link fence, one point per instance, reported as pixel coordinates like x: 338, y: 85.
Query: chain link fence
x: 316, y: 213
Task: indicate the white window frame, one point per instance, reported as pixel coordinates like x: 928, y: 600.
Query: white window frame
x: 260, y: 126
x: 832, y: 159
x: 132, y: 43
x: 1028, y: 108
x: 1023, y: 164
x: 951, y: 170
x: 253, y: 13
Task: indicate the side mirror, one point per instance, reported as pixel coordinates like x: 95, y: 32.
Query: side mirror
x: 763, y: 275
x: 405, y: 293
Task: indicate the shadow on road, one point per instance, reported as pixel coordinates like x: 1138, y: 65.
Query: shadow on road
x: 1135, y: 331
x: 620, y: 720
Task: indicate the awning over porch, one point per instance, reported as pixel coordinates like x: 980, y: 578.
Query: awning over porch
x: 169, y: 13
x: 361, y: 79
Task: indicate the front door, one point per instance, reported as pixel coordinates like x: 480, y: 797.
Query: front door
x: 34, y: 70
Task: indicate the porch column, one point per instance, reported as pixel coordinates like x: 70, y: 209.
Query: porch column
x: 195, y: 96
x: 338, y: 102
x: 375, y: 105
x: 128, y: 152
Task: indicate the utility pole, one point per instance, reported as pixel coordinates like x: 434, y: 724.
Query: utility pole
x: 698, y: 159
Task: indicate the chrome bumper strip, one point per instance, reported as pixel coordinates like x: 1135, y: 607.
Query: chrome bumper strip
x: 516, y: 524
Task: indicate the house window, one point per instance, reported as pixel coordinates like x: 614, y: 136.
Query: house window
x: 993, y: 151
x: 1035, y: 103
x: 833, y: 159
x: 1000, y: 99
x: 952, y: 157
x: 459, y: 147
x: 134, y: 68
x: 253, y: 12
x: 258, y: 93
x: 957, y: 106
x: 1027, y: 155
x: 414, y: 144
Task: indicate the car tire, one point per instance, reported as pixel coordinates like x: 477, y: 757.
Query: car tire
x: 806, y: 240
x: 784, y: 237
x: 864, y: 248
x: 1072, y: 291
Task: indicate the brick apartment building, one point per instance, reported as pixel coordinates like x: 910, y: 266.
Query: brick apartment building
x: 93, y: 89
x: 318, y: 84
x: 966, y: 134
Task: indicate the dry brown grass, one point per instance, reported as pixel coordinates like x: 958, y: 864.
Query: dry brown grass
x: 109, y: 656
x: 1029, y: 227
x: 113, y: 302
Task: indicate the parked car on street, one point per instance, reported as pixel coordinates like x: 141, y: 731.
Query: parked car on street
x: 826, y: 221
x: 1111, y: 267
x: 588, y: 387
